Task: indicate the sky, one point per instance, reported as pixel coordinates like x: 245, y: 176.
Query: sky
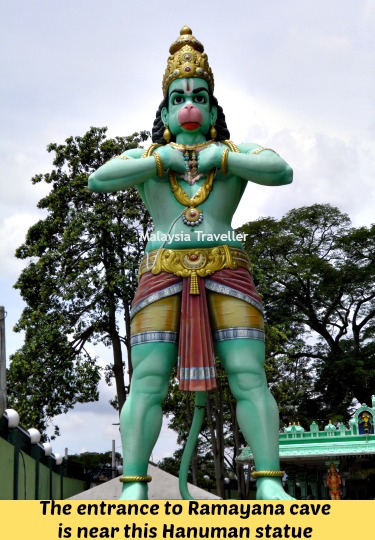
x: 292, y: 75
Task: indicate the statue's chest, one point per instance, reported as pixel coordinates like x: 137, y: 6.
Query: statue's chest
x: 163, y: 196
x: 191, y: 188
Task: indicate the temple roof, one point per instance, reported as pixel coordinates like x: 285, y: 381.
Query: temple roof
x: 314, y: 449
x: 356, y: 440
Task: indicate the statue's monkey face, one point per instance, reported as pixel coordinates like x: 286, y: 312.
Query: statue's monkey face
x: 189, y: 107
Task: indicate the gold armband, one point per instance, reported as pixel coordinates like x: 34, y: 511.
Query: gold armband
x: 120, y: 157
x: 224, y: 161
x: 231, y: 146
x: 260, y: 149
x: 149, y: 151
x: 159, y: 165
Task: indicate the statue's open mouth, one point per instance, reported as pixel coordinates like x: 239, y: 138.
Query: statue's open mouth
x: 190, y: 125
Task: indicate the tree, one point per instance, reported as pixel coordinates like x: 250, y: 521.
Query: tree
x: 94, y: 460
x: 317, y: 276
x: 79, y: 283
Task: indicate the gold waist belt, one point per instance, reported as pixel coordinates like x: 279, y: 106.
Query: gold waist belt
x: 190, y: 263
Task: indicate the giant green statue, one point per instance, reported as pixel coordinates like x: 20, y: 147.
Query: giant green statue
x: 196, y: 297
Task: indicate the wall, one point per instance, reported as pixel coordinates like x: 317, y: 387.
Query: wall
x: 51, y: 484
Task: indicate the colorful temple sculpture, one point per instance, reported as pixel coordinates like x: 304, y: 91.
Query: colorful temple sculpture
x: 334, y: 463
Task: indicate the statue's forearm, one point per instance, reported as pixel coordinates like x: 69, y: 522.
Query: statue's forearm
x: 120, y: 173
x: 265, y: 167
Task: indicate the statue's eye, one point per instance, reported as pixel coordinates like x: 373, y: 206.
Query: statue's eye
x: 200, y: 99
x: 178, y: 100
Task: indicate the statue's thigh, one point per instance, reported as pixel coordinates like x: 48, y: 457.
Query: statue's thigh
x: 232, y: 318
x: 152, y: 366
x: 154, y: 337
x: 163, y: 315
x: 238, y: 333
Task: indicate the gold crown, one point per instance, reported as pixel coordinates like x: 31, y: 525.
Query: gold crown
x: 187, y: 60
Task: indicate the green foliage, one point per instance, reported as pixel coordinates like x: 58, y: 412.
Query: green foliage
x: 92, y: 460
x: 316, y: 274
x: 206, y: 469
x: 79, y: 282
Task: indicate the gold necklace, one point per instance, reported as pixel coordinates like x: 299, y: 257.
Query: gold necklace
x: 191, y: 147
x: 192, y: 216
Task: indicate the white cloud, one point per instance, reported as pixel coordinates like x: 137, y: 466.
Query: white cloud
x: 13, y: 230
x: 327, y: 169
x: 87, y: 428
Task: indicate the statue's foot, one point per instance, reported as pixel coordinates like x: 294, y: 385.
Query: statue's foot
x: 269, y: 489
x: 134, y: 491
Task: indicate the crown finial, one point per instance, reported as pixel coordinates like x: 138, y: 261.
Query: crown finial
x: 187, y: 60
x: 185, y: 30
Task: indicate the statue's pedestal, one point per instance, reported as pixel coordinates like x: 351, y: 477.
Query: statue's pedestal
x: 164, y: 486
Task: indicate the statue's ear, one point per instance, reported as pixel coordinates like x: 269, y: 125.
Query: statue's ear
x: 213, y: 114
x: 164, y: 115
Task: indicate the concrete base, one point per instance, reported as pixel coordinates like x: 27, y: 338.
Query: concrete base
x: 164, y: 486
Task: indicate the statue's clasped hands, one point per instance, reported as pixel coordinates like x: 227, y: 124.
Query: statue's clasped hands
x: 208, y: 158
x: 172, y: 159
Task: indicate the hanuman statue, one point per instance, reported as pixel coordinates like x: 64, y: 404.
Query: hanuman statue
x: 196, y: 297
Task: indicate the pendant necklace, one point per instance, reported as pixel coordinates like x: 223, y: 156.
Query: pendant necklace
x: 192, y: 216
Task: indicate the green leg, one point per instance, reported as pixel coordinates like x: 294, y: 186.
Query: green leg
x: 141, y: 417
x: 257, y: 412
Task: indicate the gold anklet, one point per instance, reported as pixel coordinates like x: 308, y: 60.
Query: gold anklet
x: 128, y: 479
x: 262, y: 474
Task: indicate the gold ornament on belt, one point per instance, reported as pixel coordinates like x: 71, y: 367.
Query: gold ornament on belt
x: 187, y: 60
x: 193, y: 262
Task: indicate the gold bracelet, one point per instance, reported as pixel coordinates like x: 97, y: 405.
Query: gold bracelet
x: 260, y: 149
x: 261, y: 474
x: 128, y: 479
x: 224, y: 161
x: 159, y: 165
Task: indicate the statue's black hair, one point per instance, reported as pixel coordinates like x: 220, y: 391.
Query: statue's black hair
x: 220, y: 125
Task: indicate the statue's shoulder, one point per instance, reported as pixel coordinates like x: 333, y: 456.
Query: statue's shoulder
x: 243, y: 148
x: 133, y: 153
x: 246, y: 148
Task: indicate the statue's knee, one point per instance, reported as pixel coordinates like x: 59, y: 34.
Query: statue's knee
x: 155, y: 385
x: 152, y: 364
x: 242, y: 383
